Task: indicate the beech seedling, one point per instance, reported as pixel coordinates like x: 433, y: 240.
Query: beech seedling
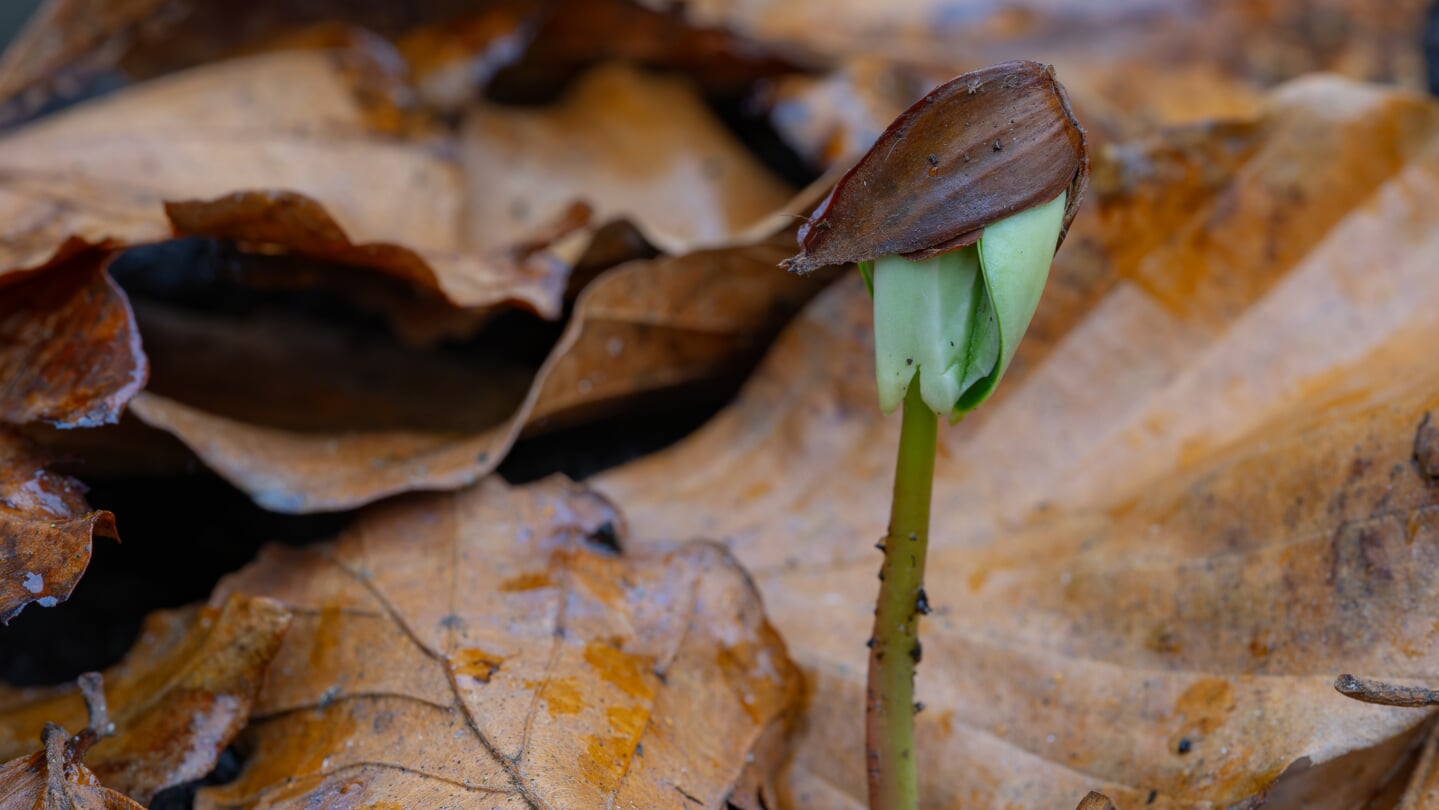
x: 953, y: 216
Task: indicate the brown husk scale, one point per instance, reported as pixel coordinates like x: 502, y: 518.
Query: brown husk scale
x: 982, y: 147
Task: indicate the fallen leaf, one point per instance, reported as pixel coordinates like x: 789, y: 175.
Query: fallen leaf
x: 62, y: 45
x: 1144, y: 586
x: 626, y: 145
x: 449, y: 49
x: 476, y: 648
x: 69, y: 348
x: 659, y: 325
x: 69, y: 47
x: 577, y: 34
x: 179, y: 697
x: 56, y: 779
x: 1421, y: 791
x: 1131, y: 67
x: 833, y: 118
x: 335, y: 440
x: 46, y: 529
x: 274, y: 152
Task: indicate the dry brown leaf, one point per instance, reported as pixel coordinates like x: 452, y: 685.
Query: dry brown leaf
x: 46, y: 530
x: 626, y: 145
x: 177, y: 700
x: 62, y: 45
x: 641, y: 329
x: 659, y: 325
x: 1421, y: 791
x: 69, y: 348
x: 273, y: 151
x: 333, y: 441
x: 1147, y: 584
x: 450, y: 47
x: 56, y: 779
x: 477, y: 648
x: 1130, y: 66
x: 576, y: 34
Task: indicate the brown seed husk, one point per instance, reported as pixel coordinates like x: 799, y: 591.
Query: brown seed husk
x: 980, y: 148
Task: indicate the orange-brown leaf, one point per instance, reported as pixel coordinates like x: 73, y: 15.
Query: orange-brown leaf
x: 476, y: 648
x: 177, y: 700
x: 56, y: 779
x: 332, y: 439
x: 46, y: 530
x: 1198, y: 502
x: 69, y: 348
x: 274, y: 151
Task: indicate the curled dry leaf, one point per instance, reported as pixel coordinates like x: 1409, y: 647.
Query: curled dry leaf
x: 69, y: 348
x: 1146, y: 586
x: 477, y: 648
x: 641, y: 329
x: 286, y: 111
x: 977, y: 149
x: 177, y: 700
x: 46, y: 530
x: 57, y: 779
x: 274, y: 151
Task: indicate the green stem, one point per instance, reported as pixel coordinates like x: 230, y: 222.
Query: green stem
x: 895, y: 650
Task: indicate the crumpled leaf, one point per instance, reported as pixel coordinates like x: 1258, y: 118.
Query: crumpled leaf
x: 640, y: 329
x: 69, y: 348
x: 477, y: 648
x: 1149, y: 584
x: 178, y: 698
x: 56, y: 779
x: 46, y: 529
x: 422, y: 437
x: 624, y: 145
x: 274, y: 152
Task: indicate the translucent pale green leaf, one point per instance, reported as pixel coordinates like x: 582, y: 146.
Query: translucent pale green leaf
x: 959, y: 316
x: 1014, y: 258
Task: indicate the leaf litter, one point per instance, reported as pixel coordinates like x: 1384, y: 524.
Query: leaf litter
x: 1150, y: 596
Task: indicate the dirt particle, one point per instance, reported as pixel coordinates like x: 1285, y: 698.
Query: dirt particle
x: 1426, y: 446
x: 1164, y: 640
x: 921, y: 603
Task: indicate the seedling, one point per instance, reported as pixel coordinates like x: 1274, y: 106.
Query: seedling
x: 953, y: 217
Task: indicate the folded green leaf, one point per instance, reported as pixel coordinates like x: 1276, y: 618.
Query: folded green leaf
x: 960, y: 315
